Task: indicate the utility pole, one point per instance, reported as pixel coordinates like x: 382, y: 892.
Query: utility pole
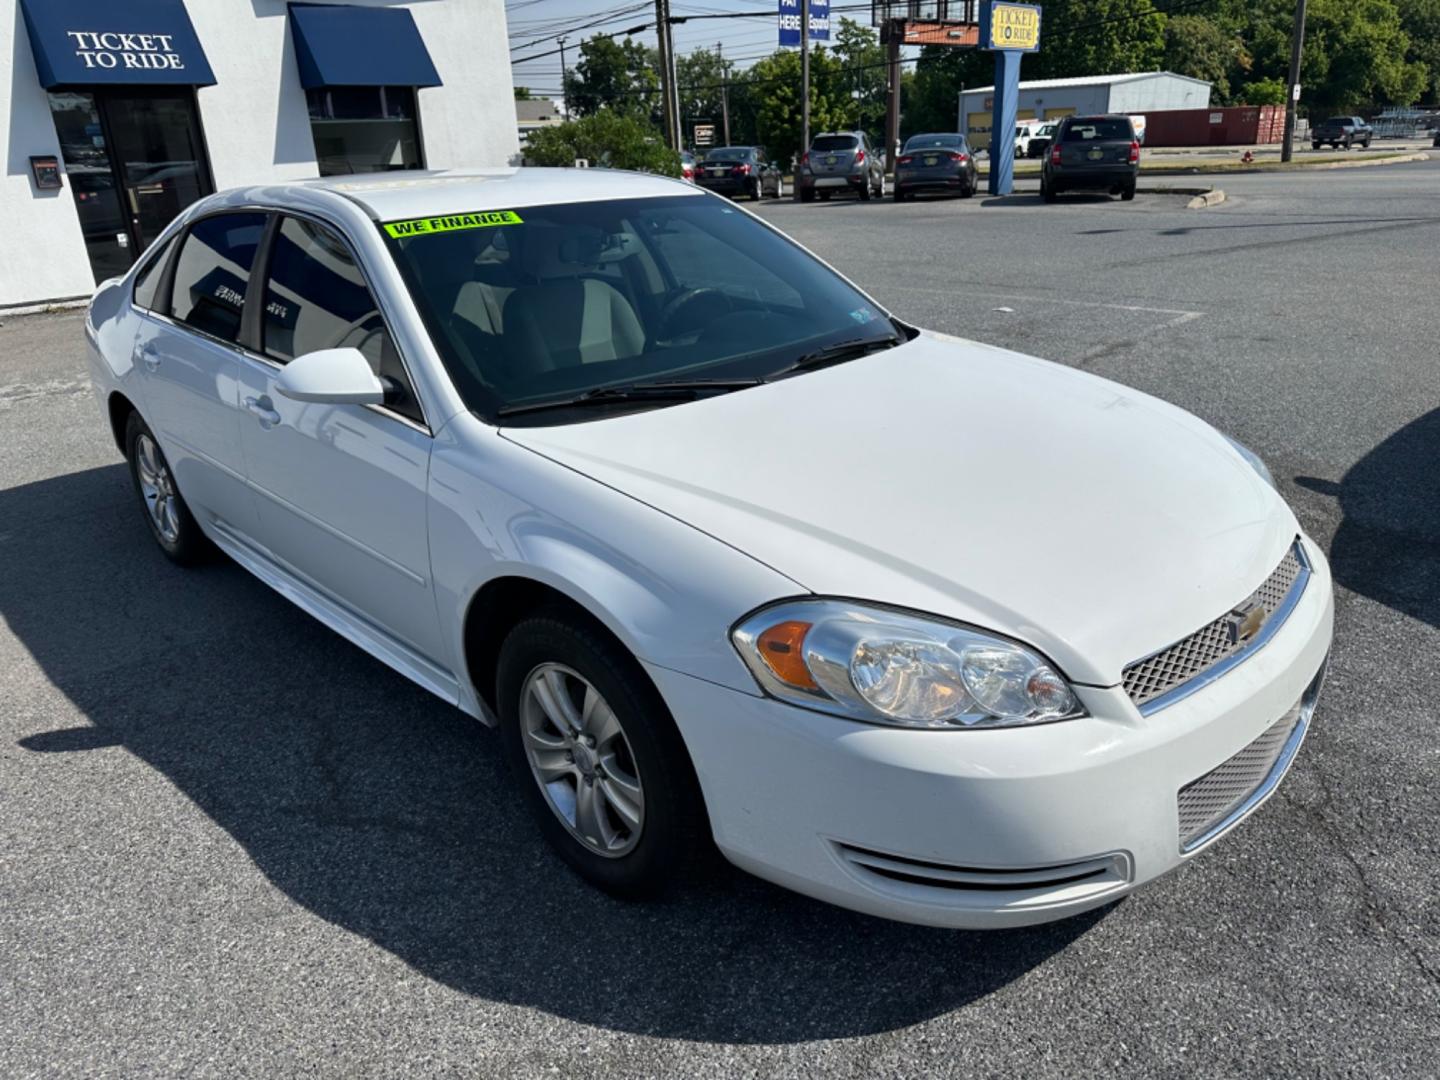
x: 677, y: 121
x: 564, y: 97
x: 804, y: 76
x: 892, y: 108
x: 724, y: 90
x: 670, y: 101
x: 1297, y: 48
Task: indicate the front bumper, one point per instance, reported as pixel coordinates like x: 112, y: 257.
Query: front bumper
x: 987, y: 828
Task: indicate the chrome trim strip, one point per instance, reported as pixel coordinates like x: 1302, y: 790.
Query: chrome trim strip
x: 1277, y: 771
x: 1269, y: 630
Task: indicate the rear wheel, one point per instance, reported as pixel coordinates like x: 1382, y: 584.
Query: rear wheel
x: 598, y: 756
x: 805, y: 194
x: 897, y: 193
x: 866, y: 190
x: 1128, y: 194
x: 171, y: 523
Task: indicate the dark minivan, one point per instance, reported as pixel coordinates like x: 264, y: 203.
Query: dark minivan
x: 1092, y: 153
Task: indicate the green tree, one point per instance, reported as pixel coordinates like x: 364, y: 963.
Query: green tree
x: 1420, y: 19
x: 1262, y: 92
x: 860, y: 88
x: 1098, y: 37
x: 620, y: 76
x: 607, y: 139
x: 1205, y: 48
x: 699, y: 76
x: 775, y: 83
x: 522, y: 93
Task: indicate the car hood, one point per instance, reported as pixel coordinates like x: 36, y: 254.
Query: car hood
x: 1093, y: 521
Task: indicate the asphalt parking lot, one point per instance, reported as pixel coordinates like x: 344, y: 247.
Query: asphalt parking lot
x: 232, y: 844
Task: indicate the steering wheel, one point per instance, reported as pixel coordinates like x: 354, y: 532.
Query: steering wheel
x: 698, y: 306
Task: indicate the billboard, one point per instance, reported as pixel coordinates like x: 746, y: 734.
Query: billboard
x: 790, y: 21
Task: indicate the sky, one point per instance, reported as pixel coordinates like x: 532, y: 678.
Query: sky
x: 535, y: 25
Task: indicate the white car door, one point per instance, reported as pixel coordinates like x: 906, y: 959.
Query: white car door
x: 340, y: 490
x: 188, y: 362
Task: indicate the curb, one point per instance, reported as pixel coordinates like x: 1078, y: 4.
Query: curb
x: 47, y: 307
x: 1210, y: 198
x: 1359, y: 163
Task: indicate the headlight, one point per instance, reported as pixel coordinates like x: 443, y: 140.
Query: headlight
x: 1254, y: 459
x: 889, y: 667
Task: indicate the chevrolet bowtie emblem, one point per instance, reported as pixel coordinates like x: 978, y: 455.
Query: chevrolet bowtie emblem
x: 1242, y: 624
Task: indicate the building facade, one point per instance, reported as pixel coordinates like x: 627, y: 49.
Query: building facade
x: 119, y: 113
x: 1051, y: 99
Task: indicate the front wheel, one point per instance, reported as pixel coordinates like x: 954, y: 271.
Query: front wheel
x: 171, y: 523
x: 598, y: 756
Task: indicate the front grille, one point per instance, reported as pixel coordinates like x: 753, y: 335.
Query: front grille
x: 1190, y: 657
x: 1213, y: 797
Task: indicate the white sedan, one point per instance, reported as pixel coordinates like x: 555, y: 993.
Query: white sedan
x: 915, y: 625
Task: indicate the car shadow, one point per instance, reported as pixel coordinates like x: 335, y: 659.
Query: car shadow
x: 386, y: 812
x: 1388, y: 544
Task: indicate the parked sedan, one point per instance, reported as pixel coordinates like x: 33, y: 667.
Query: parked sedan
x: 840, y: 161
x: 545, y: 442
x: 1092, y: 153
x: 687, y: 166
x: 936, y: 162
x: 740, y: 171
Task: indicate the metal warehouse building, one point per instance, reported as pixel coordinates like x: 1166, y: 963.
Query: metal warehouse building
x: 1050, y: 99
x: 117, y: 114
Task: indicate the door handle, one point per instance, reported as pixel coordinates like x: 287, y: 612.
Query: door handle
x: 260, y: 407
x: 149, y: 357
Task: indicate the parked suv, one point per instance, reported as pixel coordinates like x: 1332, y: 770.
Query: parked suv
x: 1341, y: 131
x: 1092, y: 153
x: 840, y: 161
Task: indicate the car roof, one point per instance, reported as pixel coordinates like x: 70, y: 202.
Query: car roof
x: 400, y: 195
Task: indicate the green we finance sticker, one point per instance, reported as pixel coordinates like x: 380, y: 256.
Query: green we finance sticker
x: 451, y: 222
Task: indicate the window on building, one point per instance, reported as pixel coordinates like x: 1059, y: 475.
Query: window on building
x: 213, y: 272
x: 360, y: 129
x: 316, y: 298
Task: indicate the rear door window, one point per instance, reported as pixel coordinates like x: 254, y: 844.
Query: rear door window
x: 147, y: 281
x: 213, y: 272
x: 316, y: 298
x: 835, y: 142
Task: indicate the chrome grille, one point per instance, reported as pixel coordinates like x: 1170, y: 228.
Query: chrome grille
x: 1208, y: 800
x: 1145, y: 680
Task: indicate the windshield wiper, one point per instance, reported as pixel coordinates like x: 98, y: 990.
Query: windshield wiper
x: 656, y: 390
x: 835, y: 354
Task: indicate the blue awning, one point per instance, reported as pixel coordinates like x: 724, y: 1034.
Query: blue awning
x: 343, y: 45
x: 84, y: 42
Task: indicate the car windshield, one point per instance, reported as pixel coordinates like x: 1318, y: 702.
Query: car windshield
x: 730, y: 153
x: 1098, y: 129
x: 548, y: 302
x: 933, y: 142
x: 835, y: 142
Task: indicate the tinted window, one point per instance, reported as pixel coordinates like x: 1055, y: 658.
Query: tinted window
x: 835, y: 142
x: 923, y: 142
x: 147, y: 281
x: 1099, y: 129
x: 574, y: 297
x: 213, y: 272
x: 316, y: 298
x: 731, y: 153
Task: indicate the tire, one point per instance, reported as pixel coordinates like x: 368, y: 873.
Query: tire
x: 898, y: 194
x: 779, y: 187
x: 866, y: 191
x: 564, y: 653
x: 1047, y: 191
x: 806, y: 194
x: 1128, y: 194
x: 757, y: 191
x: 1314, y: 146
x: 171, y: 523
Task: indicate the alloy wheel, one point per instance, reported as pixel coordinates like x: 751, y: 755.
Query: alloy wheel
x: 157, y: 487
x: 580, y: 757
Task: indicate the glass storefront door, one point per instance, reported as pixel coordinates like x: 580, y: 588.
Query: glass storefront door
x: 135, y: 159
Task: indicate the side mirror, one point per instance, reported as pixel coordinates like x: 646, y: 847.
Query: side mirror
x: 333, y: 377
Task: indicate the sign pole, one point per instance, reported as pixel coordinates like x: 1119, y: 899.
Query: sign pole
x: 804, y: 75
x: 1009, y: 30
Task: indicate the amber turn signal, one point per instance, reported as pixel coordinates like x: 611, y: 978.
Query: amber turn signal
x: 780, y: 648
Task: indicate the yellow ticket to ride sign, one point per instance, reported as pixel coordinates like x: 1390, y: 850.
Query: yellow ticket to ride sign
x: 487, y: 219
x: 1012, y: 26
